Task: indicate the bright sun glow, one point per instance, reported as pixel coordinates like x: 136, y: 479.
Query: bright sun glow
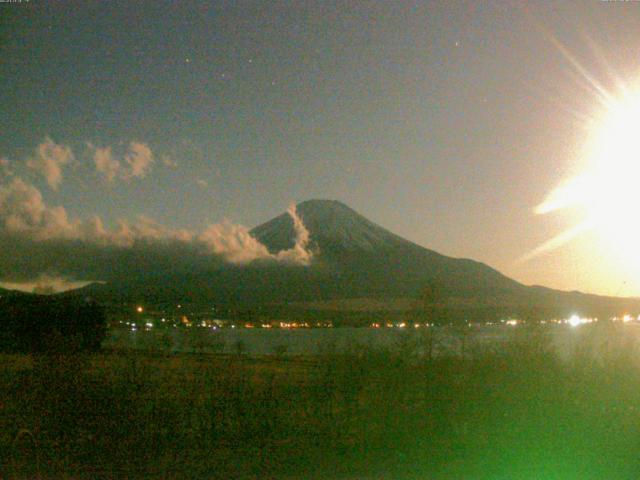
x: 607, y: 191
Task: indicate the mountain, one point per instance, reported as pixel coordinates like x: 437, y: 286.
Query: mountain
x: 356, y: 265
x: 368, y: 260
x: 332, y: 226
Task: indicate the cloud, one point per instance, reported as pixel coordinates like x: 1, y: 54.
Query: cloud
x: 300, y: 252
x: 49, y: 160
x: 45, y: 285
x: 106, y: 165
x: 135, y: 163
x: 139, y: 158
x: 23, y: 211
x: 148, y: 229
x: 233, y: 242
x: 37, y: 239
x: 236, y: 245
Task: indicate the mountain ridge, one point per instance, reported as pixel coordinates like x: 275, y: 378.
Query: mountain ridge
x: 346, y: 239
x: 354, y: 258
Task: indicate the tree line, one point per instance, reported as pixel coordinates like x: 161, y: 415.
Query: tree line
x: 38, y: 323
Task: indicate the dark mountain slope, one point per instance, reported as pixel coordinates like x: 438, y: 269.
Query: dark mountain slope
x: 353, y: 258
x: 369, y: 260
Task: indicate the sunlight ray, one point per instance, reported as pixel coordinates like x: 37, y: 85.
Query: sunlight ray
x: 558, y: 241
x: 602, y: 94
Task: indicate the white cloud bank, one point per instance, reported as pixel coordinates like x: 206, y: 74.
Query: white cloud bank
x: 23, y: 211
x: 236, y: 245
x: 28, y: 225
x: 24, y: 214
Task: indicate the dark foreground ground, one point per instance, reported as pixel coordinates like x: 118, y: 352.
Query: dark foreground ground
x: 516, y: 413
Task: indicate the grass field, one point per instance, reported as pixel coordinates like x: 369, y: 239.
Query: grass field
x: 519, y: 412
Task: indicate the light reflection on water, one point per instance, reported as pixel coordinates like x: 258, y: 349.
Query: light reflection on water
x: 563, y: 339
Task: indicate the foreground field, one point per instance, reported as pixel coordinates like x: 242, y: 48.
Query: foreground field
x: 518, y: 412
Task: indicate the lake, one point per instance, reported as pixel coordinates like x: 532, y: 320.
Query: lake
x: 565, y: 339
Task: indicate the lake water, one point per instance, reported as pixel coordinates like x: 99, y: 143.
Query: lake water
x: 439, y: 340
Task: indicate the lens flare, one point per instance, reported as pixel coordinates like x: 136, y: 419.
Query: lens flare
x: 606, y: 193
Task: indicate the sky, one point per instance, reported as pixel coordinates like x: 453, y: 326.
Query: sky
x: 447, y: 123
